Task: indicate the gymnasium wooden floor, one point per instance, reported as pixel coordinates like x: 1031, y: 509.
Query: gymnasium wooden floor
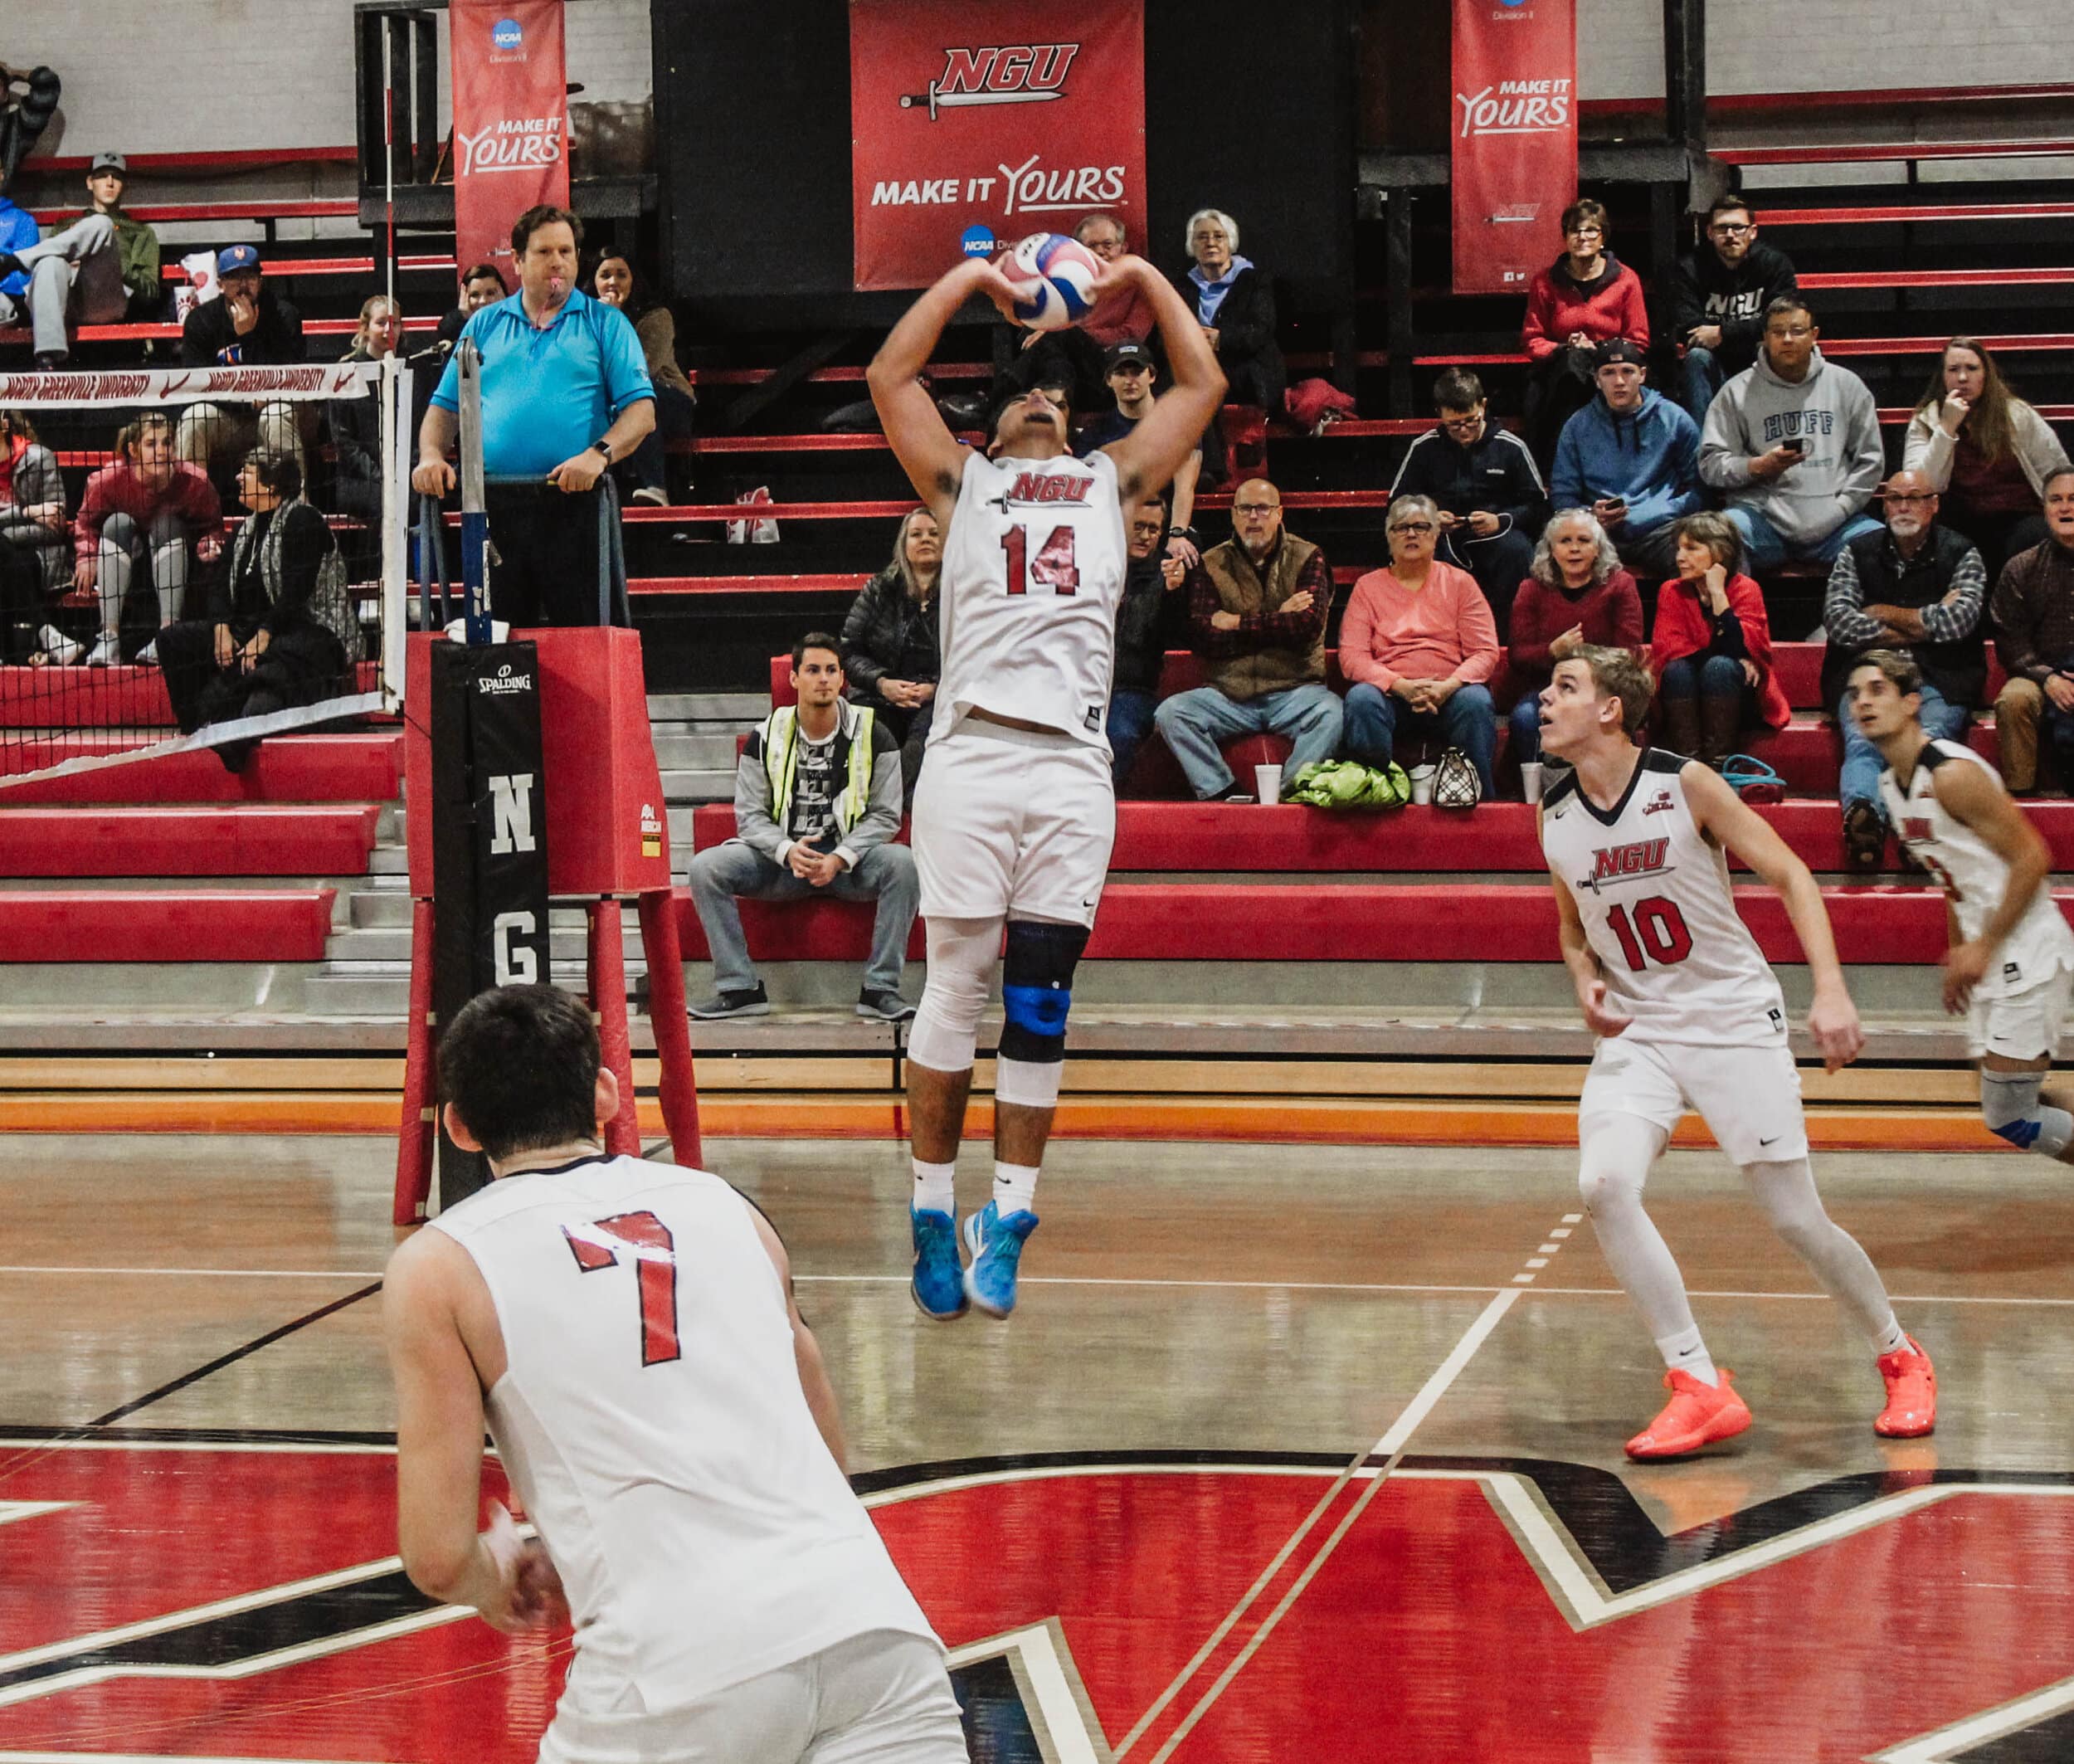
x: 1150, y: 1514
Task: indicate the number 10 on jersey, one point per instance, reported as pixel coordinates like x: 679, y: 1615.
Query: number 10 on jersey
x: 1053, y: 567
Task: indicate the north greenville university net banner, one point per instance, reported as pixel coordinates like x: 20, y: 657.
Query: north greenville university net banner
x: 1515, y: 160
x: 511, y: 122
x: 966, y: 134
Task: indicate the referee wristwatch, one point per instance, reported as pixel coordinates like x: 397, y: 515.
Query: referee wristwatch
x: 604, y: 446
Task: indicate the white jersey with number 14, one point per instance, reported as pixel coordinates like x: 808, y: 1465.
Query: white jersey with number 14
x: 1033, y: 570
x: 1657, y: 911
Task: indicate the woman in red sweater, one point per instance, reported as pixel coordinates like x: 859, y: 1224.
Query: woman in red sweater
x: 1586, y: 296
x: 1712, y: 646
x: 1576, y: 593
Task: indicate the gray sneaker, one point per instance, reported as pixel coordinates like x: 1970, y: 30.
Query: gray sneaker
x: 886, y: 1006
x: 752, y: 1002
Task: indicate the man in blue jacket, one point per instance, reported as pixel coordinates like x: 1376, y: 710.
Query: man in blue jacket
x: 1632, y: 456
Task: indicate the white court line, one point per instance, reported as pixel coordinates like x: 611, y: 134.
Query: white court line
x: 1390, y: 1446
x: 1265, y: 1286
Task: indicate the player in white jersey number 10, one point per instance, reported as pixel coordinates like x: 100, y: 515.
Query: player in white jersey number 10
x: 1014, y: 813
x: 1689, y: 1015
x: 627, y: 1332
x: 2010, y: 962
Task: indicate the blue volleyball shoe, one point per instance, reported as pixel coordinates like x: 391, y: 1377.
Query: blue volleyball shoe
x: 938, y: 1284
x: 997, y: 1245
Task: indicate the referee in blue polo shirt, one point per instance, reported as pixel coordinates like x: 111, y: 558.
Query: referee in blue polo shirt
x: 564, y: 392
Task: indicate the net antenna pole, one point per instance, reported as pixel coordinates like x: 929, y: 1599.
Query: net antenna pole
x: 388, y: 143
x: 477, y: 554
x: 394, y: 388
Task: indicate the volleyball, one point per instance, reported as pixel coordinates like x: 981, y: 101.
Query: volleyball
x: 1054, y: 278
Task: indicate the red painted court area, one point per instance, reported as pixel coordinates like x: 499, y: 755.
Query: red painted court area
x: 205, y: 1602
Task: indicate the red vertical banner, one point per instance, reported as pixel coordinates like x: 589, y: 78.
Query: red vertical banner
x: 966, y: 135
x: 1515, y: 159
x: 511, y: 121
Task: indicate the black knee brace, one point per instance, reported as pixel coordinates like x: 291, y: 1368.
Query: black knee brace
x: 1037, y: 989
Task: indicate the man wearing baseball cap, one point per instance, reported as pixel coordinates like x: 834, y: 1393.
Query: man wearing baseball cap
x: 1131, y: 372
x: 247, y: 325
x: 72, y: 277
x: 136, y: 243
x: 1632, y: 457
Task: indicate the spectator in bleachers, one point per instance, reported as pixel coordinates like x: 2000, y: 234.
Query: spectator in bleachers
x: 1915, y: 585
x: 34, y: 544
x: 146, y: 522
x: 1632, y: 457
x: 1711, y: 646
x: 355, y: 424
x: 817, y: 805
x: 1257, y: 611
x: 1577, y: 592
x: 1585, y: 298
x: 1234, y: 301
x: 1720, y: 293
x: 1132, y: 372
x: 1150, y: 618
x: 1985, y: 451
x: 616, y: 284
x: 1120, y: 317
x: 1418, y: 646
x: 74, y: 277
x: 1485, y: 483
x: 2033, y: 612
x: 565, y: 393
x: 1793, y: 440
x: 482, y: 286
x: 890, y: 641
x: 278, y: 628
x: 246, y: 325
x: 25, y: 114
x: 136, y: 241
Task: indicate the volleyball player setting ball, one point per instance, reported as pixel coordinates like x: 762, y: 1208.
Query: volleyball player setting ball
x: 1015, y: 814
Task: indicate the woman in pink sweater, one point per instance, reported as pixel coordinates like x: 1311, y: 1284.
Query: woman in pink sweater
x: 1586, y: 297
x: 1418, y: 645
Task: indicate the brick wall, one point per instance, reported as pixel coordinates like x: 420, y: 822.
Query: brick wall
x: 191, y: 76
x: 1814, y: 46
x: 176, y: 75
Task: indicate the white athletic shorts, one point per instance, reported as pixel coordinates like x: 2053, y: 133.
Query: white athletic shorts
x: 1011, y: 821
x: 1749, y: 1097
x: 2022, y: 1026
x: 883, y: 1697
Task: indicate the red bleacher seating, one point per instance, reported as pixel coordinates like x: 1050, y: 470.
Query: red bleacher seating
x: 165, y: 925
x: 187, y: 840
x: 1456, y: 921
x: 1498, y: 838
x: 365, y: 766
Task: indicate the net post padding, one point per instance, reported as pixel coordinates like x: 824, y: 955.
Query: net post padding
x: 671, y: 1024
x: 418, y: 1128
x: 607, y: 837
x: 607, y: 981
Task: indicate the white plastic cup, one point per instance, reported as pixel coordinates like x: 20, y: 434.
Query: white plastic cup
x: 1422, y: 779
x: 1530, y: 779
x: 1267, y: 783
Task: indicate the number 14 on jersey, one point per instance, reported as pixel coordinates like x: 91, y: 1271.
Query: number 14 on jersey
x: 1053, y: 567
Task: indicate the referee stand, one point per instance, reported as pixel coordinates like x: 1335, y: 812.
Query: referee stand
x: 493, y: 847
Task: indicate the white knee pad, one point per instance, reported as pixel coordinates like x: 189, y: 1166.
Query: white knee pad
x: 1615, y: 1153
x: 2009, y: 1105
x: 1030, y: 1083
x: 963, y: 953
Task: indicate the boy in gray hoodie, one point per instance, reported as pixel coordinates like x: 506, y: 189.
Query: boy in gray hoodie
x: 1795, y: 440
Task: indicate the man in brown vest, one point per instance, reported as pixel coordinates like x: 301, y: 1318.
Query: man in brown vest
x: 1257, y: 608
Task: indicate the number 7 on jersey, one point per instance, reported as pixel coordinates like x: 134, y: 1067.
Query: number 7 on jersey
x: 648, y: 1239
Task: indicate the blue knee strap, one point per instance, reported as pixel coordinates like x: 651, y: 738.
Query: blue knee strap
x: 1037, y: 989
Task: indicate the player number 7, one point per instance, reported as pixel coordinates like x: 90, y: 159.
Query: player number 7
x: 648, y: 1239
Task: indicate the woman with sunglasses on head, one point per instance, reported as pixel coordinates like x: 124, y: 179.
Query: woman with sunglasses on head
x: 1986, y: 453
